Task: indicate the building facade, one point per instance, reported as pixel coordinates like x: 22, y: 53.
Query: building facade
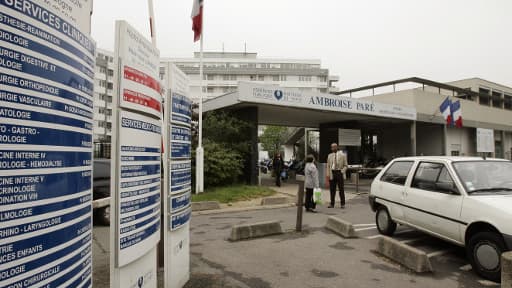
x: 224, y: 70
x: 103, y: 92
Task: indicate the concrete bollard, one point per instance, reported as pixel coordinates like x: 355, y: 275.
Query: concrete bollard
x: 249, y: 231
x: 404, y: 254
x: 341, y: 227
x: 506, y: 270
x: 205, y: 205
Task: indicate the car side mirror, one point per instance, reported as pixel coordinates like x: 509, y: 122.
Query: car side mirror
x: 448, y: 187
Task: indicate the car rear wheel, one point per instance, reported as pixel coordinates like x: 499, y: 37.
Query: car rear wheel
x: 385, y: 224
x: 102, y: 215
x: 484, y: 252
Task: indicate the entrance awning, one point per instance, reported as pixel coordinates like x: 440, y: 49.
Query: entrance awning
x: 294, y: 108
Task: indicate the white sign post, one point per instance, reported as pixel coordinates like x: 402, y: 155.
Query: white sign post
x: 178, y: 179
x: 46, y: 108
x: 484, y: 140
x: 136, y: 160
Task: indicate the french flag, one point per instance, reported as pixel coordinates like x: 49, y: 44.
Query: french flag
x: 446, y: 110
x: 456, y: 114
x: 197, y: 19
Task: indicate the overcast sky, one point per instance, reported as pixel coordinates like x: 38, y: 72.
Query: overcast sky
x: 362, y: 41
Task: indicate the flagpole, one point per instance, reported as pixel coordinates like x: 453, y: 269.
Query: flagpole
x: 152, y: 22
x: 200, y: 150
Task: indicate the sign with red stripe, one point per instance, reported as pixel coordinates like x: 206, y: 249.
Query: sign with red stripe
x: 141, y: 99
x: 141, y: 78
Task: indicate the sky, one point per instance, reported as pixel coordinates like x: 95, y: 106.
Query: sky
x: 362, y: 41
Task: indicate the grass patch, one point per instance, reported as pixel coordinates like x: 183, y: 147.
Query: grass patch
x: 233, y: 193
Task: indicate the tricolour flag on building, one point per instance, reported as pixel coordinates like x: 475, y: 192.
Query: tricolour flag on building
x: 197, y: 19
x: 446, y: 110
x: 456, y: 113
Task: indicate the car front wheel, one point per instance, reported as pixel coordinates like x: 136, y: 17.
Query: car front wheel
x: 385, y: 224
x: 484, y: 252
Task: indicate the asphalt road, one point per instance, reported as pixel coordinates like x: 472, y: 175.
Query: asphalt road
x: 314, y: 258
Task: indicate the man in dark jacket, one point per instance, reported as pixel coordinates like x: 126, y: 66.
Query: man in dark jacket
x: 277, y: 164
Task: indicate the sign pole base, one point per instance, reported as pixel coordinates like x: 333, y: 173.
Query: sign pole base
x: 199, y: 170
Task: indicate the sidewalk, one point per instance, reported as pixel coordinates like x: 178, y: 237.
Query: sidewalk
x: 291, y: 188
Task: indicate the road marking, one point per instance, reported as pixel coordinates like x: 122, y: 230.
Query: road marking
x: 363, y: 229
x: 466, y: 268
x: 374, y: 236
x: 361, y: 225
x: 439, y: 253
x: 488, y: 283
x: 411, y: 240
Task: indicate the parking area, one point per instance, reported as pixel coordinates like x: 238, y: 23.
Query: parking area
x: 317, y: 257
x: 443, y: 255
x: 314, y: 258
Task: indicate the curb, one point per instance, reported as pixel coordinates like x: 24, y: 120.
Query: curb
x: 279, y: 200
x: 340, y: 227
x: 404, y: 254
x: 256, y: 230
x: 205, y: 205
x: 242, y: 209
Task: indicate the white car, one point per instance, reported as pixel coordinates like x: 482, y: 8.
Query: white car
x: 463, y: 200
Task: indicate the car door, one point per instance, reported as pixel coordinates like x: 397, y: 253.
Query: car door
x: 433, y: 202
x: 391, y: 188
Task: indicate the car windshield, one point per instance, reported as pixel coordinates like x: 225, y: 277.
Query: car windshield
x: 493, y: 177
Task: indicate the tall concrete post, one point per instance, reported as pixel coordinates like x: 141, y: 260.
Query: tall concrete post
x: 445, y: 140
x: 413, y: 138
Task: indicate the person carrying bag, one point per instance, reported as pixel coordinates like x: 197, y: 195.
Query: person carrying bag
x: 311, y: 183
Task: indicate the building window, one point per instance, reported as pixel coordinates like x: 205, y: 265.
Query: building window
x: 103, y: 83
x: 275, y: 78
x: 110, y: 85
x: 496, y: 99
x: 485, y: 96
x: 466, y: 96
x: 253, y: 77
x: 225, y: 77
x: 322, y: 79
x: 110, y: 72
x: 103, y: 70
x: 209, y: 90
x: 283, y: 77
x: 508, y: 102
x: 261, y: 78
x: 305, y: 78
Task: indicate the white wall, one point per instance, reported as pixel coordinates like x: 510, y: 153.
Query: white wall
x: 462, y: 138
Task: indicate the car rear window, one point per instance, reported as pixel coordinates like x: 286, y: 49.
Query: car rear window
x: 397, y: 173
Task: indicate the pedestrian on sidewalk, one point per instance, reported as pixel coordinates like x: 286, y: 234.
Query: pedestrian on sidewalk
x: 336, y: 168
x: 277, y: 164
x: 312, y: 182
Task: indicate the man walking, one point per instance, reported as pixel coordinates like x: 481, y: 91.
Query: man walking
x: 336, y: 167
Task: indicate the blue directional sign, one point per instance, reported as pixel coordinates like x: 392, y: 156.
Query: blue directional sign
x: 179, y: 219
x: 180, y: 150
x: 46, y: 121
x: 181, y: 111
x: 180, y: 172
x: 180, y: 202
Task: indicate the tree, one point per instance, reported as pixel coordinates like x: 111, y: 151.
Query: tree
x: 227, y: 147
x: 273, y: 138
